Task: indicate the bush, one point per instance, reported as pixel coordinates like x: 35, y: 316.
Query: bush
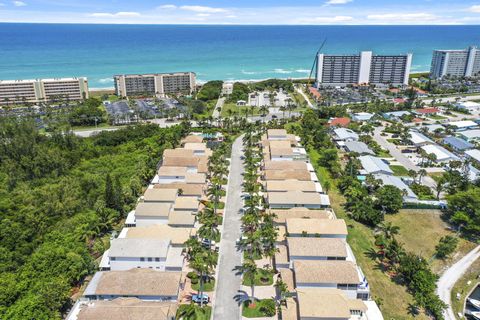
x: 446, y: 246
x: 192, y: 275
x: 267, y: 307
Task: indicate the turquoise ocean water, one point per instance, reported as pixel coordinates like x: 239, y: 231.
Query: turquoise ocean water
x: 213, y: 52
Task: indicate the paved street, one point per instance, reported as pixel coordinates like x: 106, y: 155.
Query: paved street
x: 400, y: 157
x: 228, y: 283
x: 451, y: 276
x: 218, y: 106
x: 452, y: 99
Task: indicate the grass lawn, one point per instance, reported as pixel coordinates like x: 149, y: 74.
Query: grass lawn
x: 205, y: 314
x: 435, y: 175
x: 100, y: 93
x: 463, y: 287
x: 420, y: 231
x: 254, y: 312
x: 207, y: 286
x: 265, y: 274
x: 437, y: 117
x: 384, y: 154
x: 399, y: 170
x: 238, y: 110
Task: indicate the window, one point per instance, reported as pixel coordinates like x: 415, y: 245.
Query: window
x: 142, y: 259
x: 149, y: 259
x: 157, y: 259
x: 113, y: 258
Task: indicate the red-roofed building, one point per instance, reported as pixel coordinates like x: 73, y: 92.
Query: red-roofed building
x: 339, y: 122
x: 417, y: 120
x: 314, y: 92
x: 427, y: 111
x: 399, y: 100
x: 394, y: 90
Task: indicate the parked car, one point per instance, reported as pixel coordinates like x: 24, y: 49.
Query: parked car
x: 201, y: 298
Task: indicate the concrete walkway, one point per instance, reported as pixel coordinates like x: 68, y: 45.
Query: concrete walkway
x: 451, y: 276
x: 219, y: 105
x: 228, y: 281
x: 299, y: 90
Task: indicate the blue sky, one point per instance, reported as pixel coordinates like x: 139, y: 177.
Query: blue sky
x: 243, y: 11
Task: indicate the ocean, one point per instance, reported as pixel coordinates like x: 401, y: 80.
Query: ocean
x: 214, y: 52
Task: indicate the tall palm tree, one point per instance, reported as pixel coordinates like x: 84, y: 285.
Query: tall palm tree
x: 249, y: 270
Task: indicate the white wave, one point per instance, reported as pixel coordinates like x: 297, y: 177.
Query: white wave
x: 106, y: 80
x: 249, y: 72
x: 282, y: 71
x: 302, y: 71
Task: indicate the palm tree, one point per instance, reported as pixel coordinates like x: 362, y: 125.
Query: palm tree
x: 249, y: 271
x: 388, y: 230
x: 282, y: 289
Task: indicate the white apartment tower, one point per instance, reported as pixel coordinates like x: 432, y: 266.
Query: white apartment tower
x: 456, y: 63
x: 158, y: 84
x: 42, y: 90
x: 363, y: 68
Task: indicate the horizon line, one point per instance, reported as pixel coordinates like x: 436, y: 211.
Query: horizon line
x: 245, y: 24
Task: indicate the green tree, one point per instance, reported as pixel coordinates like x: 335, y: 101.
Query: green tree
x: 389, y: 199
x: 446, y: 246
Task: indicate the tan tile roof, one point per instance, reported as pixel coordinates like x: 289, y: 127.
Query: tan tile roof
x: 202, y: 166
x: 325, y: 271
x: 163, y: 195
x: 317, y: 247
x: 290, y: 185
x: 281, y: 256
x: 183, y: 218
x: 283, y: 215
x: 139, y: 282
x: 285, y: 165
x: 186, y: 203
x: 317, y: 226
x: 279, y: 144
x: 287, y: 277
x: 179, y: 152
x: 127, y: 309
x: 294, y: 197
x: 195, y: 178
x: 323, y: 303
x: 152, y: 209
x: 180, y: 162
x: 282, y: 232
x: 303, y: 175
x: 281, y: 151
x: 195, y: 146
x: 177, y: 236
x: 290, y: 311
x: 192, y: 139
x: 172, y: 171
x: 188, y: 189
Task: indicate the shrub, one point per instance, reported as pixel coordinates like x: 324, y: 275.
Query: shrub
x: 268, y: 307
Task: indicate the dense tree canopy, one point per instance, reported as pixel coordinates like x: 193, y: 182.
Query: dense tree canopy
x: 59, y: 197
x: 210, y: 90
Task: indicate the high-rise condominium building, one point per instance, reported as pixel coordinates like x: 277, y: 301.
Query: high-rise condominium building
x: 42, y: 90
x: 457, y: 63
x: 158, y: 84
x: 363, y: 68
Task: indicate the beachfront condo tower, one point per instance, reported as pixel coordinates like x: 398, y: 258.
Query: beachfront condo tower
x: 14, y: 92
x: 158, y: 84
x: 363, y: 68
x: 455, y: 63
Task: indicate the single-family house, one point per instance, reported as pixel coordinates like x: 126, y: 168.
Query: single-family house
x: 470, y: 135
x: 418, y: 139
x: 292, y: 199
x: 390, y: 180
x: 442, y: 155
x: 362, y: 116
x: 358, y: 147
x: 457, y: 144
x: 473, y: 154
x: 343, y: 134
x: 317, y: 249
x: 462, y: 125
x: 374, y: 165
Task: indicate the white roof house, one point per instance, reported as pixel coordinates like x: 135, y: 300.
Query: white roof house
x: 362, y: 116
x: 442, y: 154
x: 358, y: 147
x: 470, y: 106
x: 343, y: 134
x: 418, y: 139
x: 470, y: 135
x: 373, y: 165
x: 397, y: 182
x: 432, y: 127
x: 463, y: 125
x: 473, y: 154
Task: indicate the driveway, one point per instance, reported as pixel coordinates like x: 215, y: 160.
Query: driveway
x: 218, y: 106
x: 451, y: 276
x: 228, y: 282
x: 400, y: 157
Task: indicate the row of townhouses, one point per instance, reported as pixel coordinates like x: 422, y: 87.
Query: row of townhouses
x: 143, y: 273
x: 314, y: 258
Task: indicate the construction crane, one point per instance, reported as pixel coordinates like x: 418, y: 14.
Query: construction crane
x: 315, y: 61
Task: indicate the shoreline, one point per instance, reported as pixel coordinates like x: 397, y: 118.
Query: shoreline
x: 202, y: 82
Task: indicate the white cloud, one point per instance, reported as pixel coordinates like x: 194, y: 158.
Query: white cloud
x: 19, y: 3
x: 338, y: 1
x: 403, y: 17
x: 232, y: 16
x: 334, y: 19
x: 475, y: 9
x: 203, y: 9
x: 167, y: 6
x: 2, y: 4
x: 122, y: 14
x: 204, y: 14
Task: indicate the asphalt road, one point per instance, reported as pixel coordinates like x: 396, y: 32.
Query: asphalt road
x: 452, y: 99
x: 451, y: 276
x: 400, y: 157
x: 228, y: 281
